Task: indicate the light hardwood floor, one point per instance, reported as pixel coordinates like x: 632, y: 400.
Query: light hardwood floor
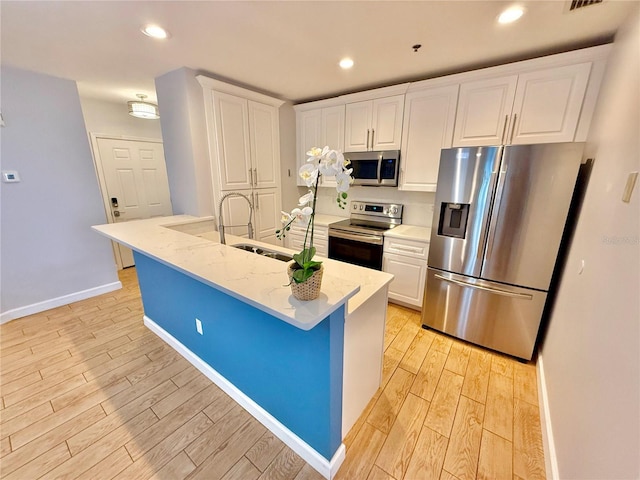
x: 88, y: 392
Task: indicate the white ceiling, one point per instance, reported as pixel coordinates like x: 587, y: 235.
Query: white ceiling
x: 289, y: 49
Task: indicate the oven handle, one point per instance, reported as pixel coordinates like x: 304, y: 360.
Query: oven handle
x: 379, y: 168
x: 357, y: 237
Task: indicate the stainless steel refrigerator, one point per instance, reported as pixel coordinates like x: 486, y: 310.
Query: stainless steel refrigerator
x: 499, y: 217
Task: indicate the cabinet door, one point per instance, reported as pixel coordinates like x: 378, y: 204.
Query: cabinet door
x: 408, y: 285
x: 267, y: 213
x: 429, y: 118
x: 232, y: 134
x: 332, y: 134
x: 309, y: 128
x: 548, y: 103
x: 483, y: 111
x: 357, y: 133
x: 265, y: 147
x: 386, y: 123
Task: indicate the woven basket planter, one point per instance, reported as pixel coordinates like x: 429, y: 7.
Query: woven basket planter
x: 309, y: 289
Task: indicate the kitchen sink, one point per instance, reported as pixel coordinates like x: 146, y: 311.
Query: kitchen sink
x: 247, y: 247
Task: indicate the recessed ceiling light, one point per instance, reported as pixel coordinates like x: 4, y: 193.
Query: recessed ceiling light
x: 346, y: 63
x: 155, y: 31
x: 511, y: 14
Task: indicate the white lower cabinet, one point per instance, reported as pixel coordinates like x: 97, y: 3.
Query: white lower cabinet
x: 295, y: 239
x: 407, y: 261
x: 266, y: 214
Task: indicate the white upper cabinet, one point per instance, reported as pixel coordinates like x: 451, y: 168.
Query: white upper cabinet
x: 247, y: 142
x: 537, y: 107
x: 317, y: 128
x: 244, y: 136
x: 232, y: 135
x: 548, y: 104
x: 429, y: 118
x: 374, y: 124
x: 264, y: 141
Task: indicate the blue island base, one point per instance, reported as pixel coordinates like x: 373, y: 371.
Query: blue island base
x: 289, y: 379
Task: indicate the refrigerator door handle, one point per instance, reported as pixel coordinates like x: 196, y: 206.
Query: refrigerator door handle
x: 497, y: 291
x: 496, y: 208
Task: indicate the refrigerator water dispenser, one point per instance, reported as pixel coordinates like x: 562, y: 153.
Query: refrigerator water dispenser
x: 453, y: 219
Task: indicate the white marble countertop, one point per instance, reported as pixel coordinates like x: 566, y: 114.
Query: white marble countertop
x: 325, y: 220
x: 410, y: 232
x: 190, y: 245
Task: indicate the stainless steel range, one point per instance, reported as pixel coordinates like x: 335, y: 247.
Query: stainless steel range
x: 359, y: 240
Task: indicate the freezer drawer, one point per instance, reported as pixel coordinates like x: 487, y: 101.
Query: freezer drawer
x: 496, y: 316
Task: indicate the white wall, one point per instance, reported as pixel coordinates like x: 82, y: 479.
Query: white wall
x: 591, y: 354
x: 418, y: 206
x: 49, y: 254
x: 186, y: 151
x: 112, y: 118
x: 288, y: 165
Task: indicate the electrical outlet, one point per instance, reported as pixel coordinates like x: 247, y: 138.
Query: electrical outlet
x: 198, y: 326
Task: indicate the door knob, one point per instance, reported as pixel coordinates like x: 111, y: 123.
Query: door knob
x: 116, y: 213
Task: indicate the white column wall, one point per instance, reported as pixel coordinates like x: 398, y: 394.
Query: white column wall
x: 591, y: 355
x: 186, y: 151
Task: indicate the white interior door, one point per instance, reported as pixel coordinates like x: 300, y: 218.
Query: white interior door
x: 135, y: 184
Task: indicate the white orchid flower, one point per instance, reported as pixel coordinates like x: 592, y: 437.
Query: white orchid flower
x: 308, y: 173
x: 286, y: 217
x: 343, y: 180
x: 317, y: 154
x: 302, y: 216
x: 306, y: 199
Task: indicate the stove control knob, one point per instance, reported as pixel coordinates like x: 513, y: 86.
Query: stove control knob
x: 385, y: 211
x: 393, y: 210
x: 361, y: 207
x: 355, y: 207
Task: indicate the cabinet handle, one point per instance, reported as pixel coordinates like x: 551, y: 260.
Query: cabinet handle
x: 504, y: 129
x: 513, y: 127
x: 368, y: 133
x: 255, y: 202
x: 250, y: 177
x: 255, y: 177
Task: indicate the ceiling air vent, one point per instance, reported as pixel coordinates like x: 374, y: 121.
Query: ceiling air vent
x: 576, y: 4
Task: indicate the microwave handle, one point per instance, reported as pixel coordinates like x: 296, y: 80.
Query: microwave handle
x: 379, y: 168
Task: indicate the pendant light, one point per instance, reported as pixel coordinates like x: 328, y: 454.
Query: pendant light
x: 142, y: 109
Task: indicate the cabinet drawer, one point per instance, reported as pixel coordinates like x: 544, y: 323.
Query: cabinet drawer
x: 296, y: 242
x: 409, y: 248
x: 319, y: 233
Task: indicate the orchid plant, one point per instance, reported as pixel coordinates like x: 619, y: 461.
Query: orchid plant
x: 327, y: 162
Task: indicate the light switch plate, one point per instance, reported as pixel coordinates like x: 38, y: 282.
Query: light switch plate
x: 10, y: 176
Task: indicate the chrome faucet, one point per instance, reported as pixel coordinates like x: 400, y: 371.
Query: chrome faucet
x: 221, y: 225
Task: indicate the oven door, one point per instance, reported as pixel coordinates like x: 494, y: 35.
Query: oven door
x: 358, y: 248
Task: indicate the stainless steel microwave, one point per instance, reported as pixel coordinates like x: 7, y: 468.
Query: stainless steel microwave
x: 377, y: 169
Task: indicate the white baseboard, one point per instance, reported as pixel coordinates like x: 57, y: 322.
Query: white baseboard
x: 550, y: 459
x: 58, y: 302
x: 327, y: 469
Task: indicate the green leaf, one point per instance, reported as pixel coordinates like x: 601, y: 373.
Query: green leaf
x: 344, y: 195
x: 302, y: 275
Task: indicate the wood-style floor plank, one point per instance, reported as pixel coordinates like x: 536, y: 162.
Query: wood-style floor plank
x: 499, y: 408
x: 496, y: 457
x: 88, y: 392
x: 401, y: 441
x: 463, y: 450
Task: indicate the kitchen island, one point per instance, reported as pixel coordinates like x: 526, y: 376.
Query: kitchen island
x: 306, y: 370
